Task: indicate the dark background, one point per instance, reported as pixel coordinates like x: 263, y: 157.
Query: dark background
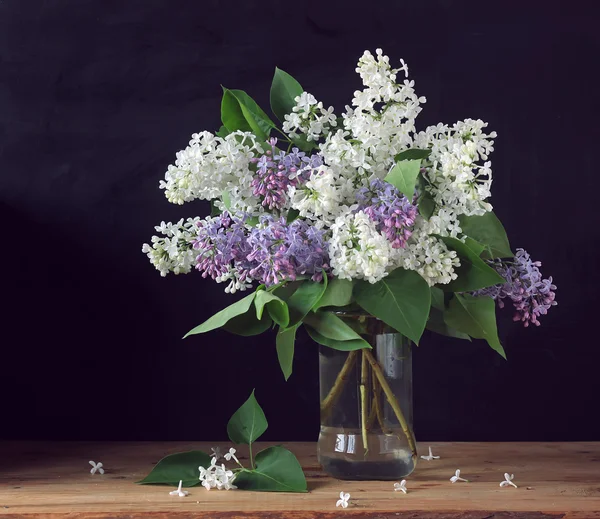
x: 96, y: 97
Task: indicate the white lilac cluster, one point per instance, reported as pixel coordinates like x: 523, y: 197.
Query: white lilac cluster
x: 357, y: 250
x: 459, y: 180
x: 341, y: 234
x: 211, y: 165
x: 173, y: 252
x: 309, y: 117
x: 216, y: 476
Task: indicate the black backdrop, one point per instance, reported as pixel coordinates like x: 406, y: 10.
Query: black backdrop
x: 97, y: 96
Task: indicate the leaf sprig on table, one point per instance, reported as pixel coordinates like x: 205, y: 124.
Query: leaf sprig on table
x: 274, y: 469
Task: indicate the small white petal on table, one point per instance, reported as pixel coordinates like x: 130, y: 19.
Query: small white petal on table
x: 400, y: 486
x: 96, y: 467
x: 179, y: 492
x: 343, y: 500
x: 430, y: 456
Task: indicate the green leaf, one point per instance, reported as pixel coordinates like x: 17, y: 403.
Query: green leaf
x: 425, y: 199
x: 354, y: 344
x: 304, y: 299
x: 412, y: 154
x: 247, y: 324
x: 475, y: 246
x: 436, y: 324
x: 284, y: 90
x: 338, y: 293
x: 248, y: 423
x: 232, y: 116
x: 475, y: 316
x: 489, y: 231
x: 277, y: 308
x: 214, y: 211
x: 331, y: 326
x: 285, y: 349
x: 255, y: 118
x: 277, y: 470
x: 182, y: 466
x: 401, y: 300
x: 437, y: 298
x: 226, y: 198
x: 225, y: 315
x: 301, y: 142
x: 285, y: 291
x: 404, y: 176
x: 292, y: 215
x: 473, y: 273
x: 223, y: 132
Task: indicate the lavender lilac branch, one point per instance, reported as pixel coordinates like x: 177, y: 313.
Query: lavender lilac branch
x: 275, y: 173
x: 392, y: 211
x: 272, y: 252
x: 531, y: 295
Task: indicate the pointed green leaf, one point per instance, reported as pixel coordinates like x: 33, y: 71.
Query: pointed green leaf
x: 304, y: 299
x: 473, y: 273
x: 437, y: 298
x: 292, y: 215
x: 425, y: 199
x: 412, y: 154
x: 248, y: 423
x: 220, y: 318
x: 475, y: 246
x: 223, y: 132
x: 475, y: 316
x: 284, y: 90
x: 277, y: 470
x: 182, y: 466
x: 436, y: 324
x: 247, y: 324
x: 232, y: 116
x: 401, y: 300
x: 285, y: 349
x: 352, y: 344
x: 489, y: 231
x: 277, y: 308
x: 331, y: 326
x: 404, y: 176
x: 338, y: 293
x: 256, y: 120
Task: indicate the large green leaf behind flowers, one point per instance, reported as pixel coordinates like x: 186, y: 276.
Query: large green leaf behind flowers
x: 489, y: 231
x: 475, y: 316
x: 473, y: 273
x: 401, y: 300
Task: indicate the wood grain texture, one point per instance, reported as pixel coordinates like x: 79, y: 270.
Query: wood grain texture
x: 52, y: 480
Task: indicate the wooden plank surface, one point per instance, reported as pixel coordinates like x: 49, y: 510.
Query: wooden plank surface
x: 52, y: 480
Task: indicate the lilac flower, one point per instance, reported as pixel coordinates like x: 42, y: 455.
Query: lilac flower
x: 281, y: 251
x: 221, y: 241
x: 531, y: 295
x: 392, y: 211
x: 275, y: 173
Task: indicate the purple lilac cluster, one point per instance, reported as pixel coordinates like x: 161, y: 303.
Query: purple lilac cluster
x: 282, y: 251
x: 272, y: 252
x: 276, y: 172
x: 392, y: 211
x: 531, y: 295
x: 222, y: 242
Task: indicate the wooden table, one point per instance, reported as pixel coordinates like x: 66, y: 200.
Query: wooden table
x: 52, y: 480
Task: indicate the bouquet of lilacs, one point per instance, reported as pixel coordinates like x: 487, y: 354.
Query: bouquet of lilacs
x: 358, y: 212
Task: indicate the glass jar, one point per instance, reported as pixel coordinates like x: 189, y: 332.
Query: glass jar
x: 366, y: 405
